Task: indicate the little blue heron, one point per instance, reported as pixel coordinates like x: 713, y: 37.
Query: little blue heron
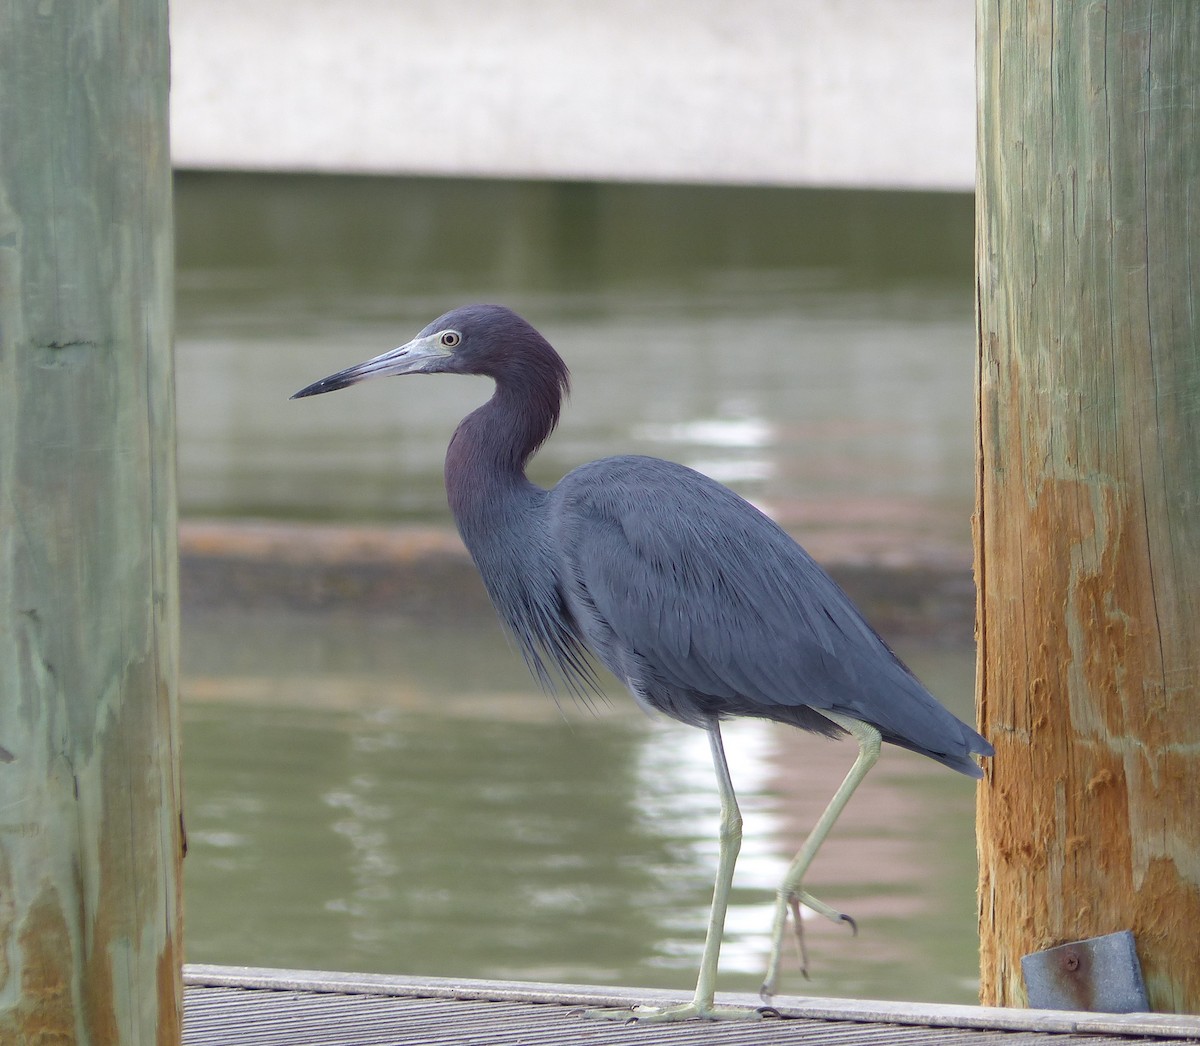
x: 697, y: 602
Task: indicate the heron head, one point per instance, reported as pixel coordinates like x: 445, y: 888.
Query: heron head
x: 474, y: 339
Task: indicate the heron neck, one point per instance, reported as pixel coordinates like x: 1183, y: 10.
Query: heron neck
x: 485, y: 462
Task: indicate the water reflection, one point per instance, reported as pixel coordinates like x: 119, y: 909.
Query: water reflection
x: 675, y: 799
x: 447, y: 821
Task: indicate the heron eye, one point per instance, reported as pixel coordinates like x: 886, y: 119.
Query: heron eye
x: 450, y: 338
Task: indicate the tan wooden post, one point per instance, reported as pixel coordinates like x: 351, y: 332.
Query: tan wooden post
x: 1088, y: 512
x: 90, y: 831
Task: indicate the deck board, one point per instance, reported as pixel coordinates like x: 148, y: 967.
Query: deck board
x: 236, y: 1006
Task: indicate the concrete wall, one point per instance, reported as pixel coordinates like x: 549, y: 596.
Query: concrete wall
x: 795, y: 92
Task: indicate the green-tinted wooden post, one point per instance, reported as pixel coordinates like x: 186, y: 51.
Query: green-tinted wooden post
x: 90, y: 833
x: 1088, y: 526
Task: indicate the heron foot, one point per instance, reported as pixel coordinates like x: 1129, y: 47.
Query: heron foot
x: 791, y: 901
x: 688, y: 1011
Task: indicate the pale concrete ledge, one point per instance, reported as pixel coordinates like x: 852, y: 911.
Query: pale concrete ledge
x: 762, y: 92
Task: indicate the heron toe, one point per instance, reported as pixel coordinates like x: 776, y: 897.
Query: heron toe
x: 688, y: 1011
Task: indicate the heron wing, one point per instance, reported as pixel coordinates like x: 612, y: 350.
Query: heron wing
x: 686, y: 590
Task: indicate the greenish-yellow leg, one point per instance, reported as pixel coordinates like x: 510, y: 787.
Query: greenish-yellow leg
x: 790, y: 895
x: 706, y: 984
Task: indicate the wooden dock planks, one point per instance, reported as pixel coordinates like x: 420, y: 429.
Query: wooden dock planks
x: 236, y: 1006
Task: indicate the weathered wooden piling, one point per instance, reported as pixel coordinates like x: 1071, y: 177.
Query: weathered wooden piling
x: 90, y: 831
x: 1088, y: 512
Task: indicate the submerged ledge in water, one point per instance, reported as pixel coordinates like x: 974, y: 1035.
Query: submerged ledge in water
x: 425, y: 572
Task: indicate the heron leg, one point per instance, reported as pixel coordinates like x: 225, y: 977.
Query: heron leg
x: 790, y: 895
x: 702, y: 1004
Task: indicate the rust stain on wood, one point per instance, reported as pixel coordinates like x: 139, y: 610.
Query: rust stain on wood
x: 45, y: 1015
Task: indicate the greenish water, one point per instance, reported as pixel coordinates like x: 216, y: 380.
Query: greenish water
x: 813, y: 349
x: 363, y: 795
x: 378, y: 794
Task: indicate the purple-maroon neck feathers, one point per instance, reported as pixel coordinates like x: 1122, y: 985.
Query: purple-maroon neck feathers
x: 491, y: 447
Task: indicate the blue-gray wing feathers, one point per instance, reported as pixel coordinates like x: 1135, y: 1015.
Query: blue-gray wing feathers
x: 703, y: 606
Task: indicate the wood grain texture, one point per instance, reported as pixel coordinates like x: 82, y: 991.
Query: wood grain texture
x: 90, y: 832
x: 1088, y: 511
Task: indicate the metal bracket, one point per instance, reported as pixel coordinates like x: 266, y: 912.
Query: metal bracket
x: 1101, y: 975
